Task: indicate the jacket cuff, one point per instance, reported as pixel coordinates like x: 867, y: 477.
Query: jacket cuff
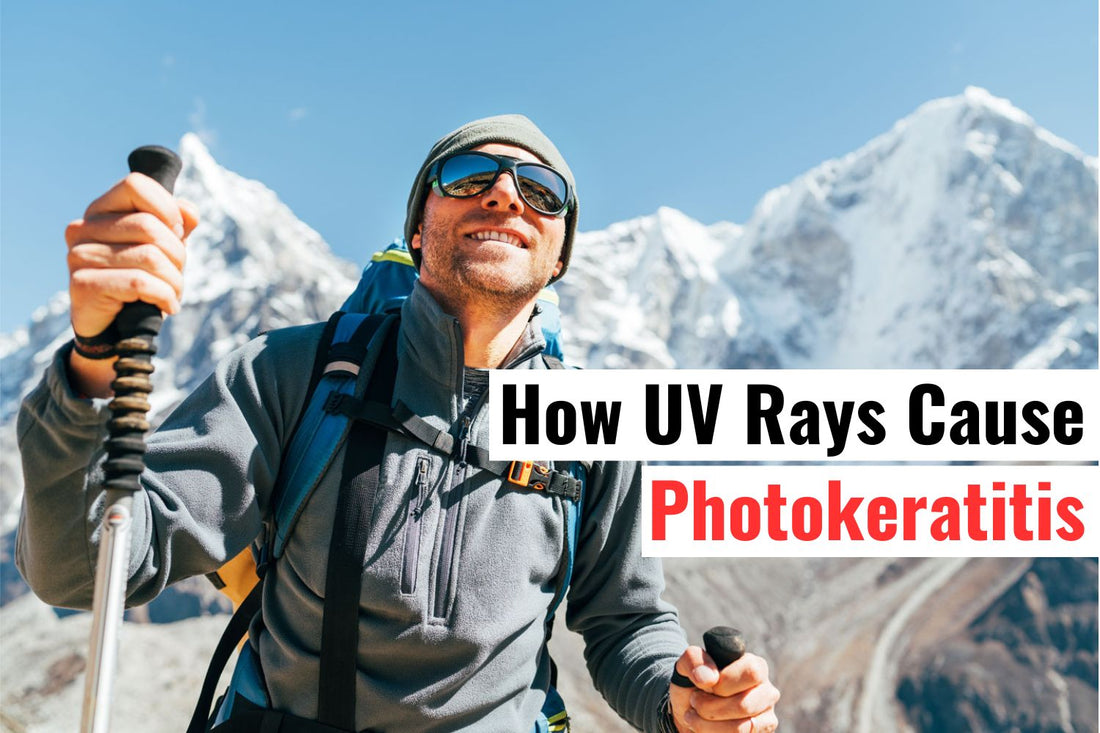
x: 75, y: 408
x: 665, y: 721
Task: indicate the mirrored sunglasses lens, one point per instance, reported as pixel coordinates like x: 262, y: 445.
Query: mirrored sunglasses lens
x: 542, y: 188
x: 467, y: 175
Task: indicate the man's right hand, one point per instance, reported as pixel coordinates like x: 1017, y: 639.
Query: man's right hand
x: 129, y: 246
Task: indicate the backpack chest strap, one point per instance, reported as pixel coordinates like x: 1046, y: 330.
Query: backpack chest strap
x: 524, y: 474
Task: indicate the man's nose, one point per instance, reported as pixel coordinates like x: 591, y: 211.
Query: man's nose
x: 503, y: 195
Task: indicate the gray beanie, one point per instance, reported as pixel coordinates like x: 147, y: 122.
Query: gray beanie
x: 508, y: 129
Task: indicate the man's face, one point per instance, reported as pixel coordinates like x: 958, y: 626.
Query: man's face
x: 461, y: 242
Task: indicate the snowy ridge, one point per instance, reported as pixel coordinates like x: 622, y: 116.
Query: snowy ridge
x: 964, y: 236
x: 647, y: 293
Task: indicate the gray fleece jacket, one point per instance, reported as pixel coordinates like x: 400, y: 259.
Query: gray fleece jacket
x: 453, y: 597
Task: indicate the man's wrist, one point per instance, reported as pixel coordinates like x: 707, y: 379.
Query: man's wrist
x: 87, y: 378
x: 98, y: 347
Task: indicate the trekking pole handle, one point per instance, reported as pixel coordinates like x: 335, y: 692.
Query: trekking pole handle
x: 157, y: 162
x: 724, y: 644
x: 137, y: 326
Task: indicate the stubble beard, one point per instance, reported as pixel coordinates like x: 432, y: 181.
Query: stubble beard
x: 463, y: 279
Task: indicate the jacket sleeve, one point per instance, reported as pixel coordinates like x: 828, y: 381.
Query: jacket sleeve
x: 632, y: 637
x: 209, y: 472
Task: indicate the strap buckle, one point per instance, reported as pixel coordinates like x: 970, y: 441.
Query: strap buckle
x: 263, y: 559
x: 519, y: 473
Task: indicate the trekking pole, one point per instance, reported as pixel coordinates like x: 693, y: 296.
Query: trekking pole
x: 137, y: 324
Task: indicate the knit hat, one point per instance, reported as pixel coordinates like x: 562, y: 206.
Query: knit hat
x: 508, y: 129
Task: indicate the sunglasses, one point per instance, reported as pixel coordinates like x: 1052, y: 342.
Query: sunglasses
x: 471, y: 173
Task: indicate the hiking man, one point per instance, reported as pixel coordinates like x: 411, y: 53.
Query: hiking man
x: 460, y: 567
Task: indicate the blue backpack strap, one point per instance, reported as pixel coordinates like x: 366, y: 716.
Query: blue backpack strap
x: 573, y: 511
x: 549, y: 309
x: 341, y: 360
x: 553, y: 717
x: 573, y: 506
x: 320, y: 432
x: 359, y: 485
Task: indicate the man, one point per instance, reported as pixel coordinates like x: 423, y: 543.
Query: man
x: 460, y: 568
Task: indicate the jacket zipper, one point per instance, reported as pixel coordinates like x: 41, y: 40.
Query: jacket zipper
x: 418, y: 502
x: 449, y: 541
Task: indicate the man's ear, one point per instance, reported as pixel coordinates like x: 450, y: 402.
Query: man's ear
x: 557, y: 268
x: 415, y: 243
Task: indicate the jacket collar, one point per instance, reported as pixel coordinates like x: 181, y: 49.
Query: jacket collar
x: 431, y: 355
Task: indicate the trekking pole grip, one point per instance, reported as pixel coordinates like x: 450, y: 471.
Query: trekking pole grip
x: 724, y: 644
x: 137, y: 325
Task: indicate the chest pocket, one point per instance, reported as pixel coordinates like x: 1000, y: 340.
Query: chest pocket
x: 496, y: 541
x: 446, y: 524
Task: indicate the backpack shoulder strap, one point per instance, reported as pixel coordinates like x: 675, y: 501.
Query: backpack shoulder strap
x: 579, y: 470
x: 234, y: 632
x: 359, y: 483
x: 340, y: 365
x: 348, y: 360
x: 554, y: 707
x: 238, y: 575
x: 573, y: 513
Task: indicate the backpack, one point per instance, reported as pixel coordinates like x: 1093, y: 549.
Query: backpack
x: 332, y: 412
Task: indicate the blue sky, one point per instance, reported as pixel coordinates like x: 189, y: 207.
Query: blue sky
x: 701, y: 106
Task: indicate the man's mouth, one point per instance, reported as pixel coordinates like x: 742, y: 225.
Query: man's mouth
x: 498, y: 236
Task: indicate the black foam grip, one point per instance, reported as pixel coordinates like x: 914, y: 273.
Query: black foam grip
x: 159, y: 163
x: 724, y: 644
x: 163, y: 166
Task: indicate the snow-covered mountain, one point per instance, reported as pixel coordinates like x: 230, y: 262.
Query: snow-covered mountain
x: 966, y: 236
x: 963, y: 237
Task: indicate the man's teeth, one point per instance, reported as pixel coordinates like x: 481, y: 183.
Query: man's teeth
x: 498, y: 237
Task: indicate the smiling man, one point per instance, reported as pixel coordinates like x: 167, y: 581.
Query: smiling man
x: 459, y: 566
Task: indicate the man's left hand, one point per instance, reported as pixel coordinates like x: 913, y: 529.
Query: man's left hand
x: 737, y: 699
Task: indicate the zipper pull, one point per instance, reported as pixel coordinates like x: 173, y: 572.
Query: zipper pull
x: 422, y: 497
x: 463, y: 441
